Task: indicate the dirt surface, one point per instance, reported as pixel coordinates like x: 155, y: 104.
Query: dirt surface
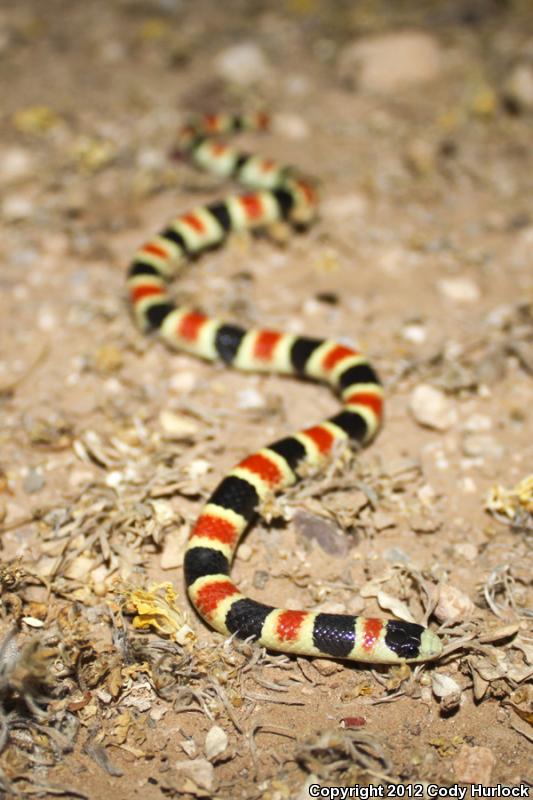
x: 109, y: 442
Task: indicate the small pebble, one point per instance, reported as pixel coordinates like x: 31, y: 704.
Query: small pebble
x: 466, y: 550
x: 198, y: 468
x: 478, y: 423
x: 182, y: 382
x: 34, y: 481
x: 518, y: 89
x: 244, y: 552
x: 460, y: 290
x: 16, y: 207
x: 242, y: 64
x: 482, y: 445
x: 216, y: 742
x: 291, y: 125
x: 474, y: 765
x: 46, y: 320
x: 322, y: 531
x: 15, y: 163
x: 176, y: 426
x: 195, y: 777
x: 389, y: 62
x: 431, y: 408
x: 173, y: 552
x: 415, y: 333
x: 347, y: 206
x: 250, y: 398
x: 382, y: 521
x: 447, y: 690
x: 453, y: 605
x: 420, y: 157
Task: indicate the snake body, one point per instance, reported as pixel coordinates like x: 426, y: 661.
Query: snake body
x: 276, y: 194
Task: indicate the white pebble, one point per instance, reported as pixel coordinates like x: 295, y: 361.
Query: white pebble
x: 519, y: 87
x: 431, y: 408
x: 200, y: 772
x: 182, y: 382
x: 250, y: 398
x: 453, y: 605
x: 461, y: 290
x: 198, y: 468
x: 291, y: 126
x: 46, y: 320
x: 174, y: 549
x: 447, y: 690
x: 482, y: 445
x: 466, y: 550
x: 242, y: 64
x: 414, y: 333
x: 16, y: 206
x: 216, y: 742
x: 348, y: 206
x: 468, y: 485
x: 33, y: 622
x: 114, y: 479
x: 164, y: 513
x: 389, y: 62
x: 176, y: 426
x: 478, y: 423
x: 15, y: 163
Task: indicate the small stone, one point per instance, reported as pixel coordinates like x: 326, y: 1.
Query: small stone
x: 322, y: 531
x: 16, y: 207
x: 196, y: 777
x: 447, y: 690
x: 474, y: 765
x: 518, y: 89
x: 164, y: 513
x: 478, y: 423
x: 174, y: 549
x: 431, y: 408
x: 482, y: 445
x: 198, y: 468
x: 216, y: 742
x: 33, y: 622
x: 347, y: 206
x: 34, y: 481
x: 114, y: 479
x: 46, y: 319
x: 421, y: 157
x: 183, y: 382
x: 466, y: 550
x: 460, y: 290
x: 79, y: 568
x: 292, y: 126
x: 15, y: 164
x: 453, y: 605
x: 389, y: 62
x: 244, y: 552
x: 382, y: 521
x: 176, y: 426
x: 415, y: 333
x: 250, y: 398
x: 326, y: 667
x: 243, y: 64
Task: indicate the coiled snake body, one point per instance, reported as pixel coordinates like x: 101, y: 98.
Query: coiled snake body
x: 277, y: 194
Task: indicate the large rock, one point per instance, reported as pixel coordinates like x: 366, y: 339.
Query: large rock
x: 390, y: 62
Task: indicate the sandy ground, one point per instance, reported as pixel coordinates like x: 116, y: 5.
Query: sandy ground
x: 109, y: 442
